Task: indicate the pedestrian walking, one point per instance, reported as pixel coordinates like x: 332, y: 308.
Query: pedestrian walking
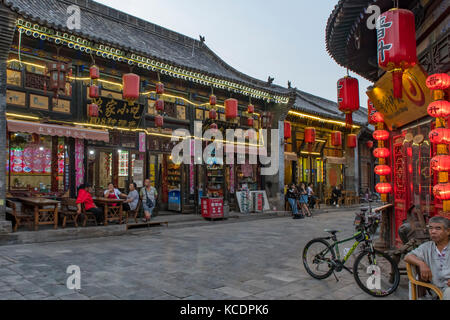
x: 303, y: 199
x: 311, y: 197
x: 148, y: 196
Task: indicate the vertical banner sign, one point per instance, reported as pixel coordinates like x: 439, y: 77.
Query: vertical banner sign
x: 191, y: 179
x: 79, y: 162
x: 231, y: 178
x: 138, y: 173
x: 142, y: 141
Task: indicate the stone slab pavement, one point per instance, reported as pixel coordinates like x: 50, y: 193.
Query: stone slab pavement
x: 253, y: 259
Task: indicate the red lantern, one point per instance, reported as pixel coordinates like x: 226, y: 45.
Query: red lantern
x: 369, y: 144
x: 310, y: 135
x: 377, y: 118
x: 231, y: 108
x: 397, y: 50
x: 348, y: 97
x: 336, y: 139
x: 93, y: 110
x: 352, y: 141
x: 442, y: 191
x: 159, y: 105
x: 250, y: 122
x: 212, y: 114
x: 212, y: 100
x: 287, y: 130
x: 383, y: 188
x: 383, y: 170
x: 439, y: 81
x: 159, y: 88
x: 57, y: 72
x: 381, y: 153
x: 251, y: 108
x: 440, y: 136
x: 94, y: 92
x: 131, y: 84
x: 94, y: 72
x: 159, y: 121
x: 381, y: 135
x: 439, y: 109
x: 440, y: 163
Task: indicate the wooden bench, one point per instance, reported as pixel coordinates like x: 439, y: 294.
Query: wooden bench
x: 19, y: 217
x: 69, y: 211
x: 412, y: 276
x: 87, y: 216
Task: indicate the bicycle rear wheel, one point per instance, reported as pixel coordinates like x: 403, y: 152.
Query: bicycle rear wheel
x: 376, y: 273
x: 317, y: 258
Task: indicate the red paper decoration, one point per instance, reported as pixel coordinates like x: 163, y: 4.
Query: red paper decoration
x: 440, y: 163
x: 131, y: 85
x: 310, y: 135
x: 212, y: 114
x: 231, y: 108
x: 381, y: 153
x: 94, y: 92
x: 287, y: 130
x: 93, y: 110
x: 159, y: 88
x: 383, y: 188
x: 381, y: 135
x: 397, y: 50
x: 439, y: 109
x: 251, y: 108
x: 439, y: 81
x: 159, y: 121
x: 352, y: 141
x: 370, y: 112
x: 369, y: 144
x: 348, y: 97
x: 159, y: 105
x: 94, y: 72
x: 212, y: 100
x: 377, y: 118
x: 250, y: 122
x: 383, y: 170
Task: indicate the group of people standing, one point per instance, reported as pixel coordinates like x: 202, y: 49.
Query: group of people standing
x: 301, y: 197
x: 148, y: 195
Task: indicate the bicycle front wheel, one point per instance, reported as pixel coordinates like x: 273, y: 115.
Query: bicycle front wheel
x: 317, y: 259
x: 376, y: 273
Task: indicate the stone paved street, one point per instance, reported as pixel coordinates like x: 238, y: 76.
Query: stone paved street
x: 257, y: 259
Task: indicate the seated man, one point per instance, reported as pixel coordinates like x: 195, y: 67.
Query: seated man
x: 85, y: 197
x: 433, y: 257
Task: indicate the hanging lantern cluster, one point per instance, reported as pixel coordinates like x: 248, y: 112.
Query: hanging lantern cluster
x: 348, y: 98
x: 397, y: 50
x: 94, y: 90
x: 440, y: 109
x: 131, y: 87
x: 212, y: 110
x: 382, y: 153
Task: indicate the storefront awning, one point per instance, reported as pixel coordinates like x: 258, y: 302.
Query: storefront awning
x: 57, y: 130
x: 335, y: 160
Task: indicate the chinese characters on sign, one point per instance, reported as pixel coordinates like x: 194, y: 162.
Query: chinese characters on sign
x: 117, y: 113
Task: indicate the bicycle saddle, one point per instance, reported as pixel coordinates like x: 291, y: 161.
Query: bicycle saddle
x: 364, y: 209
x: 333, y: 232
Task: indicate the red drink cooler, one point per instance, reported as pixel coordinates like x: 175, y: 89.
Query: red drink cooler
x: 212, y: 208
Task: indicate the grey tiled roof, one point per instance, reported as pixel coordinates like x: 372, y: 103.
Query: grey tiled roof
x: 109, y: 26
x: 312, y: 104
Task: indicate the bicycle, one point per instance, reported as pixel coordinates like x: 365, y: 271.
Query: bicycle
x: 374, y: 272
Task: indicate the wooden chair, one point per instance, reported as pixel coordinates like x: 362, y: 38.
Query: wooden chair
x: 19, y: 217
x: 134, y: 213
x: 412, y: 276
x: 87, y: 216
x: 69, y: 211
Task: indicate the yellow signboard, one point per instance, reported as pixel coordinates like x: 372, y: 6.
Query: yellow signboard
x: 38, y: 102
x: 414, y: 102
x: 60, y: 105
x: 16, y: 98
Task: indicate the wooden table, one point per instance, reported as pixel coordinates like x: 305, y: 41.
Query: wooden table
x: 41, y: 216
x: 112, y: 213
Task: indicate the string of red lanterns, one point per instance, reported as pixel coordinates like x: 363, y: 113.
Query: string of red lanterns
x: 94, y: 92
x: 440, y: 109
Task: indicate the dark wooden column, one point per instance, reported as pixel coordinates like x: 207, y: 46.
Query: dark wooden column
x: 115, y: 171
x: 54, y: 166
x: 7, y: 28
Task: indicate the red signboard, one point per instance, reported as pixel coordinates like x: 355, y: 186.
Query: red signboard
x: 212, y: 208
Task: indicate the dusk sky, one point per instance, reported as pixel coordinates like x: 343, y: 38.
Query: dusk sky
x: 284, y: 39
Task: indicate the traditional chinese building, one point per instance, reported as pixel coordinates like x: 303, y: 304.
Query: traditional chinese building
x: 353, y: 41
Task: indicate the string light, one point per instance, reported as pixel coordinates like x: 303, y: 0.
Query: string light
x: 304, y: 115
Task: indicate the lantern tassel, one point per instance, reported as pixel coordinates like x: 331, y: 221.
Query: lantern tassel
x: 397, y: 78
x: 349, y: 120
